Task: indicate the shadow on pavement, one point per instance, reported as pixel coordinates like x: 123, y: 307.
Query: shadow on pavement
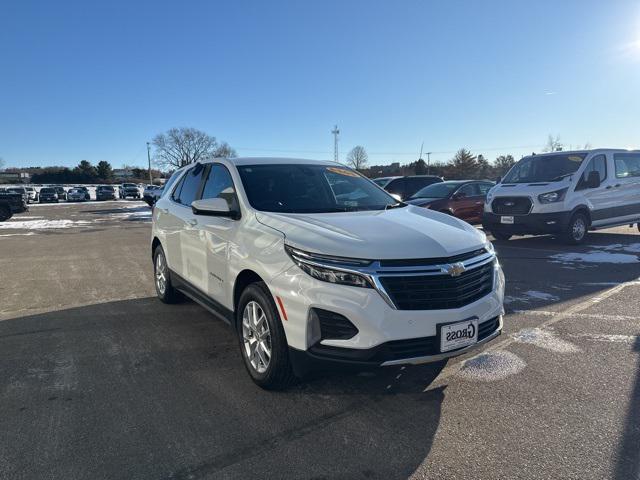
x: 628, y: 466
x: 139, y: 389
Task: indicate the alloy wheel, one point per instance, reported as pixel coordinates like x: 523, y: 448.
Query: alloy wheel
x: 256, y: 336
x: 161, y: 273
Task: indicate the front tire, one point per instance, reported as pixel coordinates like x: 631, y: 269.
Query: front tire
x: 5, y: 213
x: 577, y: 229
x: 501, y: 236
x: 263, y: 343
x: 162, y: 278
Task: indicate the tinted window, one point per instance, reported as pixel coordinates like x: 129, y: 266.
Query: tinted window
x: 484, y: 188
x: 627, y: 164
x: 437, y: 190
x: 596, y: 164
x: 416, y: 183
x: 47, y: 190
x: 189, y: 185
x: 302, y: 188
x: 171, y: 181
x: 220, y: 185
x: 469, y: 190
x: 396, y: 186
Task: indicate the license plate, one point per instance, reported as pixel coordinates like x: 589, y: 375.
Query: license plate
x: 458, y: 335
x: 508, y: 220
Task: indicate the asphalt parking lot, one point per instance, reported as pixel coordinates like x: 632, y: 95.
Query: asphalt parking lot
x: 101, y: 380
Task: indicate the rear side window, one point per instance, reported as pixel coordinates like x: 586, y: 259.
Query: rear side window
x: 469, y: 190
x: 219, y: 184
x: 596, y: 164
x: 627, y: 164
x: 484, y: 188
x: 396, y: 186
x: 189, y: 186
x: 416, y: 183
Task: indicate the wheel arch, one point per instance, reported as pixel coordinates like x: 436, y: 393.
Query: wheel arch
x: 245, y: 278
x: 154, y: 245
x: 581, y: 209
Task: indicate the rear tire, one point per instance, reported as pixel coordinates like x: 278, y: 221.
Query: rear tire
x: 577, y: 229
x: 5, y: 213
x: 162, y: 278
x: 501, y: 236
x: 262, y: 340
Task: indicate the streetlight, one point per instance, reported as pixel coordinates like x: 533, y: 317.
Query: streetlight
x: 149, y: 159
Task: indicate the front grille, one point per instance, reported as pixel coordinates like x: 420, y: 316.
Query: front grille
x: 511, y: 205
x: 334, y: 326
x: 439, y: 292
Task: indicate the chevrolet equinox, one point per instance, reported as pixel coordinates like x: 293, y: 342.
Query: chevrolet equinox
x: 314, y: 265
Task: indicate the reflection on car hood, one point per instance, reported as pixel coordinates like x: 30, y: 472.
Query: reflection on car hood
x: 422, y: 201
x: 400, y: 233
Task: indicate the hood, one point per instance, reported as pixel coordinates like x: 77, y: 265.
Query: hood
x: 424, y: 201
x: 526, y: 189
x: 400, y: 233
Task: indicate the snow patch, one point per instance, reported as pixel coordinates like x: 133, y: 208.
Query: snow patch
x: 43, y: 224
x: 605, y: 254
x: 492, y: 366
x: 531, y: 295
x: 16, y: 234
x: 545, y: 339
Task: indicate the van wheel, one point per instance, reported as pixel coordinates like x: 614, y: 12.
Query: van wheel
x: 162, y: 278
x: 577, y: 228
x: 501, y: 236
x: 262, y: 340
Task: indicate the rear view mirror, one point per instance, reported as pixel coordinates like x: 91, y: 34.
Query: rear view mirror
x: 214, y: 207
x: 593, y: 180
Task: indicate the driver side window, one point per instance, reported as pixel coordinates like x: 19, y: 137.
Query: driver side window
x: 596, y: 164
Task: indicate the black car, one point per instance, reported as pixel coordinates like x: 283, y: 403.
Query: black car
x: 48, y: 194
x: 11, y: 203
x: 105, y: 192
x: 405, y: 187
x: 21, y: 190
x: 62, y: 193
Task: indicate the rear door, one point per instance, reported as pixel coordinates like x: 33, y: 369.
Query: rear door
x: 463, y: 201
x: 627, y: 172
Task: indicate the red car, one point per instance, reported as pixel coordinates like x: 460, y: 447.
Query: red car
x: 461, y: 198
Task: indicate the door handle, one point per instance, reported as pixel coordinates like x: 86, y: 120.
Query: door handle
x: 609, y: 187
x: 617, y: 185
x: 478, y: 203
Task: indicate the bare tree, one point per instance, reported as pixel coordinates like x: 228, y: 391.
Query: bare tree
x: 553, y: 144
x: 357, y: 158
x: 224, y: 151
x: 181, y: 146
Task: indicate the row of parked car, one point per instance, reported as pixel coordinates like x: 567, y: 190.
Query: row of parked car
x: 56, y: 193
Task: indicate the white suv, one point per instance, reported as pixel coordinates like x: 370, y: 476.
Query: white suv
x: 566, y: 194
x: 314, y: 265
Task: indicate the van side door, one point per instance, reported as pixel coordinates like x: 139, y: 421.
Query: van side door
x: 627, y: 173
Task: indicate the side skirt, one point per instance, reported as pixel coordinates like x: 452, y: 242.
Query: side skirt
x: 201, y: 298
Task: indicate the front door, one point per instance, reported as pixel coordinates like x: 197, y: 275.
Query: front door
x: 603, y: 200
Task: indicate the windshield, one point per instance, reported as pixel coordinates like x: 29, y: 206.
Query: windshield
x: 544, y: 168
x: 47, y: 190
x: 17, y: 190
x: 310, y: 189
x: 129, y: 185
x: 436, y: 190
x: 108, y: 189
x: 381, y: 182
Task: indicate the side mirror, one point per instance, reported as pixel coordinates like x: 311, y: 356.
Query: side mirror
x: 593, y: 180
x: 396, y: 196
x: 214, y: 207
x: 498, y: 180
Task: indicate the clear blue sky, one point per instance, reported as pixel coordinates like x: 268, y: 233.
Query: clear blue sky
x: 96, y: 80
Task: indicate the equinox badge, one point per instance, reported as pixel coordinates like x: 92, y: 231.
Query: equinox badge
x: 455, y: 269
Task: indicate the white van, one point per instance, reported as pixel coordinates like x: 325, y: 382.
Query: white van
x: 566, y: 194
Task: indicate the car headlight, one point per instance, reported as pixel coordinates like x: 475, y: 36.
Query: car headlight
x: 489, y: 247
x: 552, y: 197
x: 330, y: 269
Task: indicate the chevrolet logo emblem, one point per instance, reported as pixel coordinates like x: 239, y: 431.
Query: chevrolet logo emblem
x: 455, y: 269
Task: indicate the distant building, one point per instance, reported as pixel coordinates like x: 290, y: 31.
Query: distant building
x: 385, y: 170
x: 122, y: 173
x: 15, y: 177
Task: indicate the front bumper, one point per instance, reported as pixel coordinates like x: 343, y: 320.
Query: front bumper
x: 385, y: 335
x: 531, y: 224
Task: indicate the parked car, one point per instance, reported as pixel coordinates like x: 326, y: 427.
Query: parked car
x: 105, y: 192
x: 405, y: 187
x: 10, y: 203
x: 87, y: 194
x: 48, y: 194
x: 62, y: 193
x: 32, y: 194
x: 76, y: 194
x: 566, y: 194
x: 151, y: 194
x: 21, y: 190
x: 309, y: 280
x: 461, y: 198
x: 129, y: 190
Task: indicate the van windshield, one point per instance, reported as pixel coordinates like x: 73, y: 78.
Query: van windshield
x: 544, y: 168
x: 302, y: 188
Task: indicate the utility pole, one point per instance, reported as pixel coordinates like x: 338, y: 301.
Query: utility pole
x: 428, y: 163
x: 149, y: 159
x: 335, y: 133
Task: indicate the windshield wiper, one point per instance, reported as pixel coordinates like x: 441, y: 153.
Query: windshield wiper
x: 560, y: 177
x: 395, y: 205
